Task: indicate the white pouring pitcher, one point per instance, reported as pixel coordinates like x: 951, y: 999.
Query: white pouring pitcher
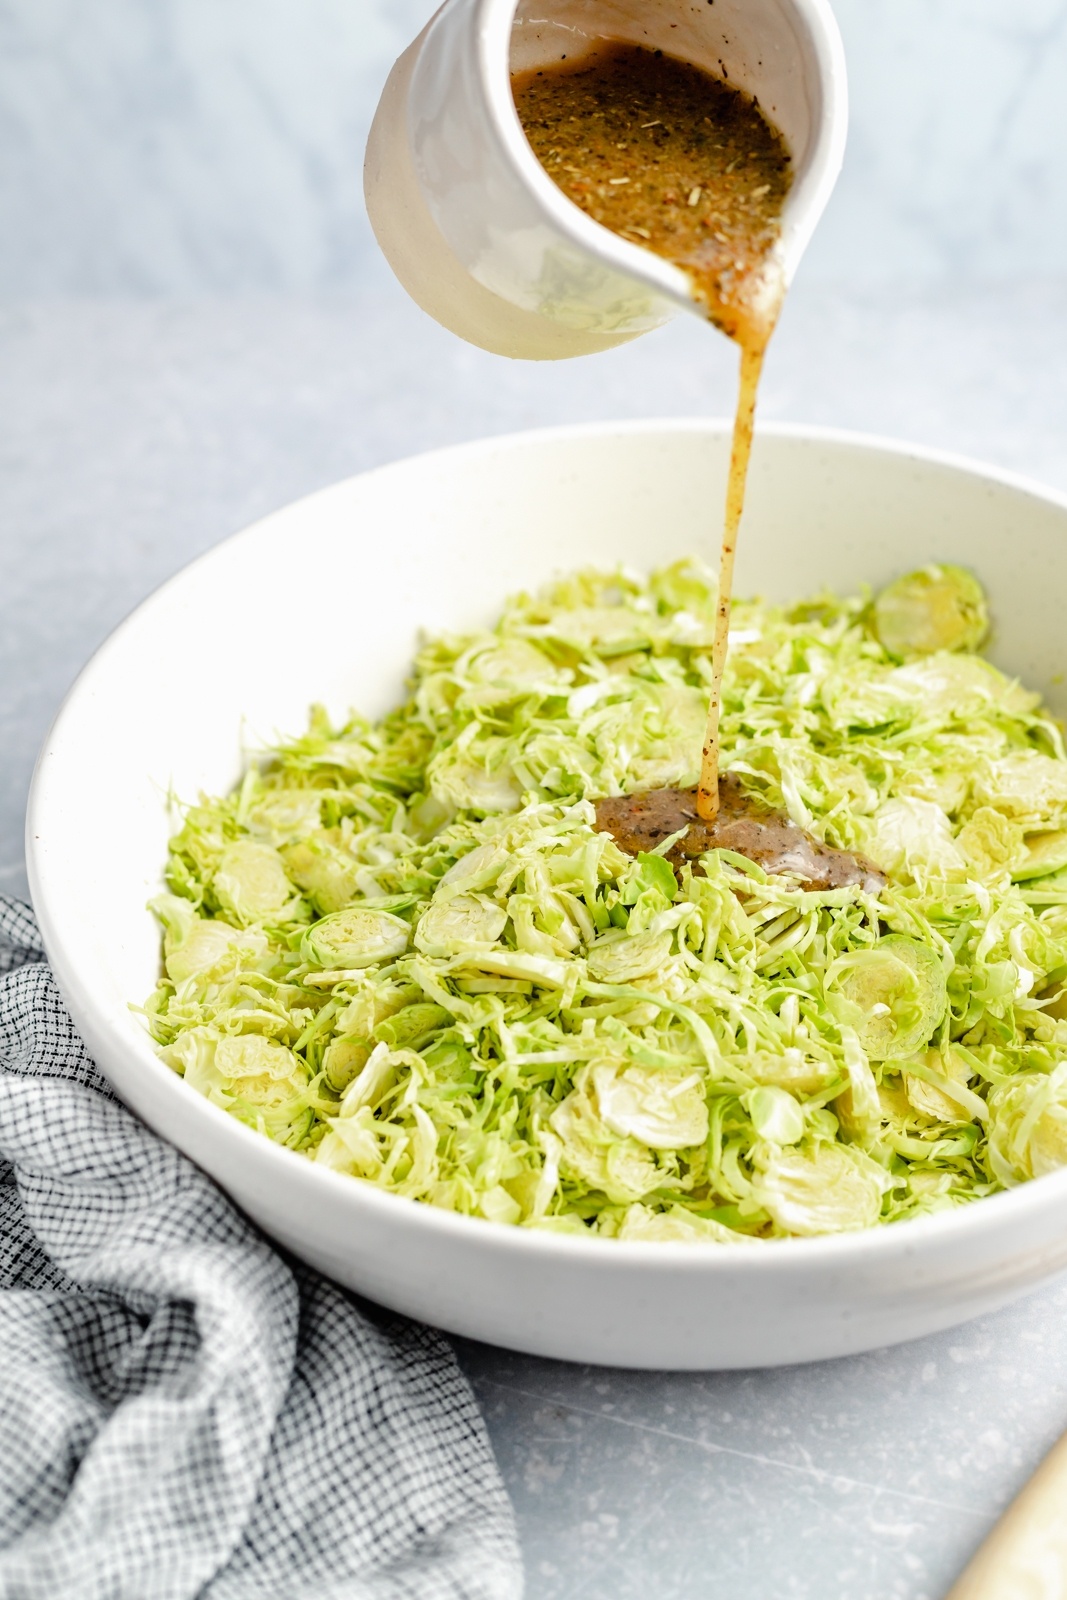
x: 480, y: 235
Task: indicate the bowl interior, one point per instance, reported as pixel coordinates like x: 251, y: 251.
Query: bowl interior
x: 325, y: 601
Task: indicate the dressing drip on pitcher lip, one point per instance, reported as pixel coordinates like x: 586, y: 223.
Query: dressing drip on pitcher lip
x: 681, y: 163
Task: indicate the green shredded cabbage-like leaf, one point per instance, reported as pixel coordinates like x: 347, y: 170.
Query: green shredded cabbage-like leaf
x: 404, y: 950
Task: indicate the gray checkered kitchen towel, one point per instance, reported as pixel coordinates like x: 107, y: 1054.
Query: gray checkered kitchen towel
x: 183, y: 1413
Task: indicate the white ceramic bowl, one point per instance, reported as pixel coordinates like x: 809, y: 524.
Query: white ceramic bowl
x: 323, y: 601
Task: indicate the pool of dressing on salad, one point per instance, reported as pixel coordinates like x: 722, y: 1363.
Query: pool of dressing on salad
x: 679, y: 162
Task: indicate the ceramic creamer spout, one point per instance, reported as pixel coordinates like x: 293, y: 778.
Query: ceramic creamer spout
x: 476, y: 230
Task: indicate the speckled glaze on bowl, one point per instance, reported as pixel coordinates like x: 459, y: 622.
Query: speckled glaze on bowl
x: 323, y: 601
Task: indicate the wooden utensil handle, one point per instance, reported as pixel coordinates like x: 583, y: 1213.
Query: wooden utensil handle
x: 1025, y: 1557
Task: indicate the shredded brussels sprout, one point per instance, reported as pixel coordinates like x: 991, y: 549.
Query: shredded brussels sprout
x: 936, y: 608
x: 405, y: 951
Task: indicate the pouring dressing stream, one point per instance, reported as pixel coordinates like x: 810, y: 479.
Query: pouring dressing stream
x: 658, y: 150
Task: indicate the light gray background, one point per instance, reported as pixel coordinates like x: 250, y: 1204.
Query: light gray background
x: 190, y: 146
x: 195, y: 327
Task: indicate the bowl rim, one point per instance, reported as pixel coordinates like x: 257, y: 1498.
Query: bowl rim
x: 273, y: 1161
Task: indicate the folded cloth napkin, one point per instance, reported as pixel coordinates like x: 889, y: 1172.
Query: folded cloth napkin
x: 182, y: 1412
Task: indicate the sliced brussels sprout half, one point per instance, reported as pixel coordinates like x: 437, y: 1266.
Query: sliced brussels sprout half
x: 991, y: 843
x: 478, y: 869
x: 826, y: 1188
x: 203, y: 948
x: 792, y: 1070
x: 344, y: 1058
x: 514, y: 666
x: 665, y: 1110
x: 893, y: 995
x: 1045, y: 853
x: 936, y: 1086
x: 450, y: 926
x: 621, y: 1166
x: 209, y: 949
x: 622, y: 960
x: 459, y: 781
x: 251, y: 883
x: 355, y: 938
x: 285, y: 814
x: 328, y: 876
x: 936, y: 608
x: 1028, y: 1126
x: 258, y: 1080
x: 606, y: 630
